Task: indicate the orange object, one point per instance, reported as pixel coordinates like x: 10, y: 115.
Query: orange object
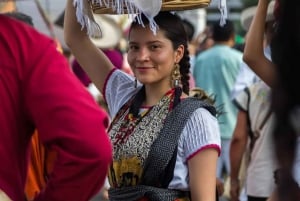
x: 40, y: 165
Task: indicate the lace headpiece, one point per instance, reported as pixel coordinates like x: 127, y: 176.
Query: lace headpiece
x: 149, y: 8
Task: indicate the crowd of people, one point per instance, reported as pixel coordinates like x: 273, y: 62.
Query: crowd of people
x: 158, y: 121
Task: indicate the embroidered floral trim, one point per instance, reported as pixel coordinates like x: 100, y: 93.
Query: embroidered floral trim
x: 132, y: 137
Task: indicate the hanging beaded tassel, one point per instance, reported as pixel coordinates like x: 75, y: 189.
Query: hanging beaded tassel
x: 176, y: 76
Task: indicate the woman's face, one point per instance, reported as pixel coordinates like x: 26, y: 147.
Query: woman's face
x: 152, y: 57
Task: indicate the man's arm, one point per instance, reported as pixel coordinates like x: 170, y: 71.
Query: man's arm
x: 237, y: 150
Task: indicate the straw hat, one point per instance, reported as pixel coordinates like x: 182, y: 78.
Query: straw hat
x: 110, y: 29
x: 248, y: 14
x: 111, y: 32
x: 110, y: 7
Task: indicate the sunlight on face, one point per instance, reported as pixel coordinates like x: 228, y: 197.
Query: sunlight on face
x: 150, y: 56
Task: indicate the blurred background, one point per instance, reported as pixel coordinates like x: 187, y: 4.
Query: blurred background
x: 53, y: 9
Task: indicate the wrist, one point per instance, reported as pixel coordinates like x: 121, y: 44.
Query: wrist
x: 234, y: 181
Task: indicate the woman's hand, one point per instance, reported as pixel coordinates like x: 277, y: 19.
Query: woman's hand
x: 220, y: 187
x: 234, y: 190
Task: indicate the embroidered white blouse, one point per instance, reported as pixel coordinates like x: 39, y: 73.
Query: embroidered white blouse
x: 200, y: 132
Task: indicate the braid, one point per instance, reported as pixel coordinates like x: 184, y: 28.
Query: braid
x: 177, y: 95
x: 137, y: 102
x: 185, y: 71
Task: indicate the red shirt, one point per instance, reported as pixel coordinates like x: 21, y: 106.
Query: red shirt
x: 38, y: 90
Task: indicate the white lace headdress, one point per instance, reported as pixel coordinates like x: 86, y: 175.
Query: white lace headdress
x: 150, y: 8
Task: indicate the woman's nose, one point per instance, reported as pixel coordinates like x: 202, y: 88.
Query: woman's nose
x: 143, y: 54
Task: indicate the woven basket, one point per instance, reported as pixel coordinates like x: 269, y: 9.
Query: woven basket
x: 167, y: 5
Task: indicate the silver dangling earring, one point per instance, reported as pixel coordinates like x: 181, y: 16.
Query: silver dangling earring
x: 176, y: 76
x: 135, y: 83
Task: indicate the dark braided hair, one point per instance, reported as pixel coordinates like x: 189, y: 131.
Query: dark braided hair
x: 285, y: 48
x: 172, y: 26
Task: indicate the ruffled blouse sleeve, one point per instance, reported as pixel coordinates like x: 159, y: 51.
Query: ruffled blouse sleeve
x: 201, y: 132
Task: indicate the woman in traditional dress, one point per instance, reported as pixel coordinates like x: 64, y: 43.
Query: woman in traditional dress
x: 165, y: 147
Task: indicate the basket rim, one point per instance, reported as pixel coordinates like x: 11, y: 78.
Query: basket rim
x: 167, y: 5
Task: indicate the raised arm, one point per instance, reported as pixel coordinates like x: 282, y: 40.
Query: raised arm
x: 92, y: 59
x: 254, y: 46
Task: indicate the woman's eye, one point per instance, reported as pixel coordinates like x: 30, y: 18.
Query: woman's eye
x: 154, y: 47
x: 133, y: 47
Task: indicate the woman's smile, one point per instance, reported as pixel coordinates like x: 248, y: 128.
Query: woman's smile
x: 143, y: 69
